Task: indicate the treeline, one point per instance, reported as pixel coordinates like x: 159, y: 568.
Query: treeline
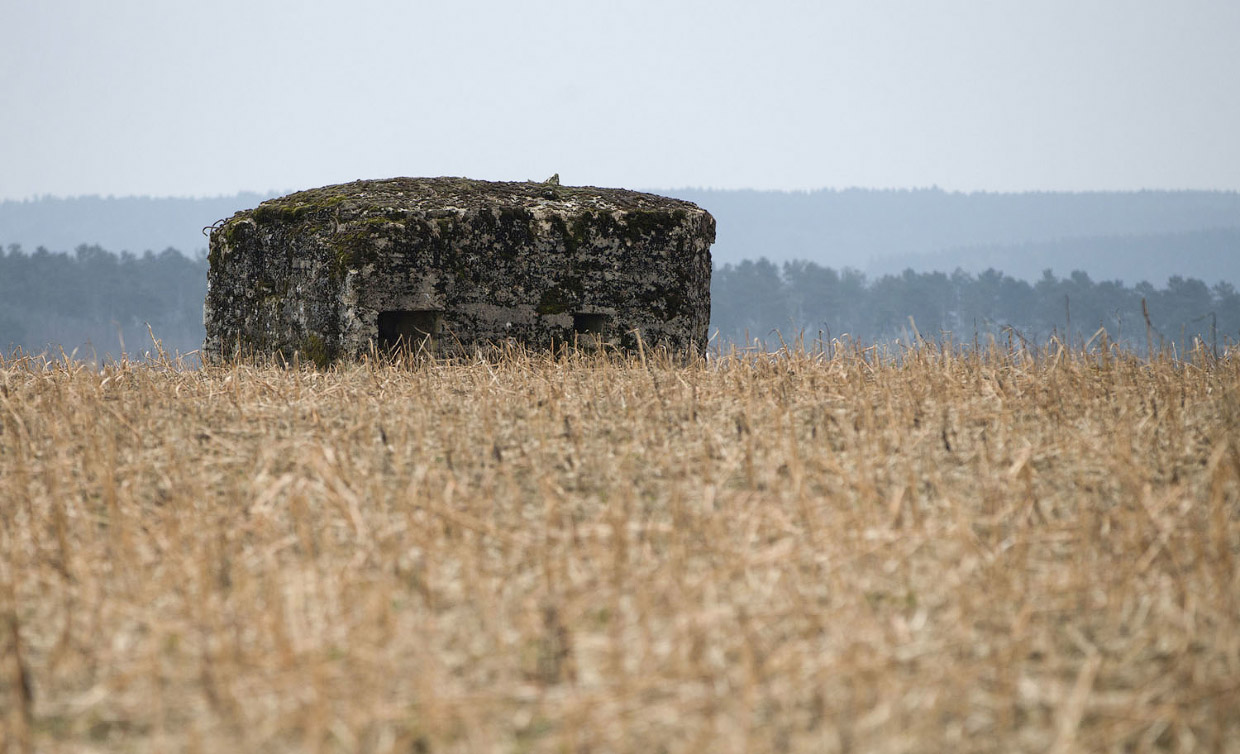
x: 1133, y: 236
x: 1211, y: 255
x: 117, y: 223
x: 93, y: 300
x: 766, y: 301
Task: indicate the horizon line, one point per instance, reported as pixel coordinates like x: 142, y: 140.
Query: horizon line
x: 934, y: 188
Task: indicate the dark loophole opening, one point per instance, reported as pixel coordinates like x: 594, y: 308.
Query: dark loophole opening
x: 408, y: 329
x: 590, y: 324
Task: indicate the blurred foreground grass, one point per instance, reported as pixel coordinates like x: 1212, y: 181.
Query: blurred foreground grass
x: 998, y: 551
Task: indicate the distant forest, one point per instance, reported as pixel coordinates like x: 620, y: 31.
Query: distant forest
x: 1127, y: 236
x: 92, y: 300
x: 764, y: 301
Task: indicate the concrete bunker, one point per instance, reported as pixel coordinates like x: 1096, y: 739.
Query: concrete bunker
x: 454, y: 264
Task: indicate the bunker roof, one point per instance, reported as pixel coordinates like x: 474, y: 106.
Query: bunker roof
x: 460, y: 195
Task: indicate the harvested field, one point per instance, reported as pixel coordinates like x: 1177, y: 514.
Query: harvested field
x: 998, y: 551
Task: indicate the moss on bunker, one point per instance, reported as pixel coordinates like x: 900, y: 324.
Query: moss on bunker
x: 233, y: 233
x: 639, y: 225
x: 555, y: 300
x: 277, y: 213
x: 316, y: 350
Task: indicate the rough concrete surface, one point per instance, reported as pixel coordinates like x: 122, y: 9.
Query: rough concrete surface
x: 453, y: 263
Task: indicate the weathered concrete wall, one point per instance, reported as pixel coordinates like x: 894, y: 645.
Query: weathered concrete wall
x: 314, y: 271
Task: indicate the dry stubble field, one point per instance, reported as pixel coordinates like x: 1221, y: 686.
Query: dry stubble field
x: 943, y: 552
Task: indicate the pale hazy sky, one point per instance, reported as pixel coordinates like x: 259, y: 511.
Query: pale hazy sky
x: 176, y: 98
